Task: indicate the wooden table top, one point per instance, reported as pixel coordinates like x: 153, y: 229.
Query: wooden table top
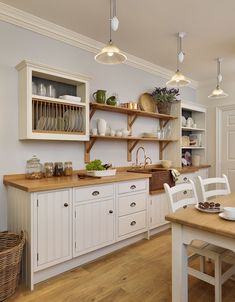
x: 206, y: 221
x: 45, y: 184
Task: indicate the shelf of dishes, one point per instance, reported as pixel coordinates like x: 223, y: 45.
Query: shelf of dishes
x: 66, y: 100
x: 192, y: 129
x: 134, y: 138
x: 190, y: 147
x: 53, y: 117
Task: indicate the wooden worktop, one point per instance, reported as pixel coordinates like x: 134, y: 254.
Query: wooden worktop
x: 191, y: 217
x: 44, y: 184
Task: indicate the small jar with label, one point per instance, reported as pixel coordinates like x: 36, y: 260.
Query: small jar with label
x: 59, y: 171
x: 48, y: 169
x: 68, y: 168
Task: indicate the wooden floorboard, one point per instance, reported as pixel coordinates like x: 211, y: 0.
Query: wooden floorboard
x: 139, y: 273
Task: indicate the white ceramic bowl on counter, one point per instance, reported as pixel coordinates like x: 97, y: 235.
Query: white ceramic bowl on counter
x: 166, y: 163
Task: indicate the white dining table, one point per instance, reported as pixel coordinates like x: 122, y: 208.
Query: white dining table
x: 190, y: 224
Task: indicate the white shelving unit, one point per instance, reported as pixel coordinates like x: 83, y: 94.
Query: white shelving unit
x: 52, y: 118
x: 198, y: 114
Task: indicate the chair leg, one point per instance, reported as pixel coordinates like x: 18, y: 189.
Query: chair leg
x: 218, y: 285
x: 202, y: 264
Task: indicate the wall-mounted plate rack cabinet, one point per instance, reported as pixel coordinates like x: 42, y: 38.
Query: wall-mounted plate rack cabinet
x: 43, y: 113
x: 132, y: 115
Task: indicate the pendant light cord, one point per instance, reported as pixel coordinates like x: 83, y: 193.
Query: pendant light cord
x: 218, y: 72
x: 110, y: 25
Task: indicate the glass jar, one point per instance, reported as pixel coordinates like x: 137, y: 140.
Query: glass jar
x: 48, y: 169
x: 59, y: 171
x: 34, y: 168
x: 68, y: 168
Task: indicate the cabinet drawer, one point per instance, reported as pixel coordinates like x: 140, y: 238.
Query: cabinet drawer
x: 131, y: 204
x: 131, y: 186
x: 131, y: 223
x: 93, y: 192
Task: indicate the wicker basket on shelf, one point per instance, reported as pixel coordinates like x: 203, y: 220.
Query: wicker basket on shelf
x: 11, y: 247
x: 185, y: 142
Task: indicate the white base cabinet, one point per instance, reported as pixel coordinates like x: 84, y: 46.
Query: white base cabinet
x: 53, y: 228
x: 93, y: 225
x: 158, y: 209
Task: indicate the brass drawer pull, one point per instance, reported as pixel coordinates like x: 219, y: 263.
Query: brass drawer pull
x: 133, y: 223
x: 95, y: 193
x: 132, y: 187
x: 133, y: 204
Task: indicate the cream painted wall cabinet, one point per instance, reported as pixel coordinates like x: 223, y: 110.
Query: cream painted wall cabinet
x: 43, y: 113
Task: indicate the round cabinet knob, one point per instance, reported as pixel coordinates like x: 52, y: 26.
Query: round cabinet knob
x: 185, y: 192
x: 95, y: 193
x: 66, y: 204
x: 133, y: 223
x: 110, y: 211
x: 185, y: 179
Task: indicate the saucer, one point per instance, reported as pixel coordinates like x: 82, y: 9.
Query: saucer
x: 221, y: 215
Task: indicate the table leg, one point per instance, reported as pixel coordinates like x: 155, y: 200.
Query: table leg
x: 179, y: 266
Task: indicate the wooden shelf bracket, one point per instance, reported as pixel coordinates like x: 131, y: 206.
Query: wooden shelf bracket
x: 131, y: 144
x: 88, y: 147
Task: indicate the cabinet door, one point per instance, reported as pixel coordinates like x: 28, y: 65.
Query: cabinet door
x: 158, y: 210
x: 93, y: 225
x: 54, y: 228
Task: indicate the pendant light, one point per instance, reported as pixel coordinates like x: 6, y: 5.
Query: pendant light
x: 218, y: 93
x: 178, y: 79
x: 111, y: 54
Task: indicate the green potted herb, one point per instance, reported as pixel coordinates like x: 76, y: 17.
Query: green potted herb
x: 164, y: 98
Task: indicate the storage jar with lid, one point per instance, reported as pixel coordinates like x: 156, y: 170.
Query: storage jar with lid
x: 48, y: 169
x: 68, y: 168
x: 34, y: 168
x: 59, y: 171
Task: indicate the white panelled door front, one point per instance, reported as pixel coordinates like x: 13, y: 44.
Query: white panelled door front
x: 228, y: 146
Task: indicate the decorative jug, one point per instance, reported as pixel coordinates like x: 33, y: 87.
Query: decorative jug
x: 100, y: 96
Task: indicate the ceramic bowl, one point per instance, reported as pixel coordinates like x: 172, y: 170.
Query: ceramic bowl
x: 125, y: 132
x: 166, y: 163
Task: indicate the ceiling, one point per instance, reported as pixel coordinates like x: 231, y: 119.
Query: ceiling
x: 148, y: 29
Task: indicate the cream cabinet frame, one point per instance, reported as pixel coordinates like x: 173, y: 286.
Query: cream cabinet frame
x: 50, y: 111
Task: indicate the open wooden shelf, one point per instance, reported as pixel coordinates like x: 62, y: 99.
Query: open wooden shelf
x: 131, y: 143
x: 132, y: 115
x: 192, y: 129
x: 97, y: 106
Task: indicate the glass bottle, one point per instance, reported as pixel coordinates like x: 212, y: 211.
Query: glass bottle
x: 34, y: 168
x: 68, y: 168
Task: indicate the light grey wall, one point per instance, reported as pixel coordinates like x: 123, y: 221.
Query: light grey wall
x: 18, y: 44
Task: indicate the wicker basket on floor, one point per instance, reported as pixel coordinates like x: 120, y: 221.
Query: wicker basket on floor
x: 11, y: 247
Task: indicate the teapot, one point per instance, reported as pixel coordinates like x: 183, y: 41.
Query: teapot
x: 100, y: 96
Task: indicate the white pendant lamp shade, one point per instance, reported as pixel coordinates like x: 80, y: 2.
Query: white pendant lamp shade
x: 178, y: 79
x: 218, y: 93
x: 110, y: 54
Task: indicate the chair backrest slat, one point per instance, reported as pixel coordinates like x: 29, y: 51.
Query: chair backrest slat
x: 171, y: 191
x: 214, y: 181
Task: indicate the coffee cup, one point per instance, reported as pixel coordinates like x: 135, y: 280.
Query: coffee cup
x: 229, y: 212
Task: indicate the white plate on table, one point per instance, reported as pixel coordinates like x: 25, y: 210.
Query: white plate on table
x: 221, y: 215
x: 211, y: 211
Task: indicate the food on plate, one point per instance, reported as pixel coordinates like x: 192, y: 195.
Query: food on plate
x: 209, y: 205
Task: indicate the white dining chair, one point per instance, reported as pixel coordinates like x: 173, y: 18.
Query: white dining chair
x: 214, y: 182
x: 201, y: 249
